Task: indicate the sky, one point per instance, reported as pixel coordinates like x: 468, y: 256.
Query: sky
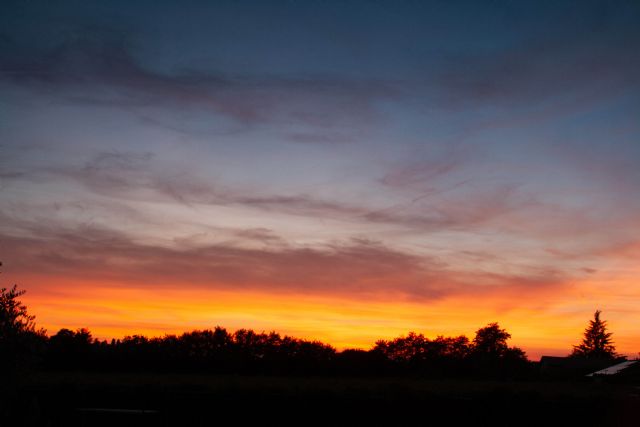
x: 337, y: 170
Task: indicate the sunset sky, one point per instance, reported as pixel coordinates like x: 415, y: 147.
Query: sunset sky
x: 337, y: 170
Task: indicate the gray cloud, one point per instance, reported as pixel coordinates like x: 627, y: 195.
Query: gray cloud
x: 571, y: 71
x: 134, y: 176
x: 356, y: 268
x: 320, y: 138
x: 99, y: 67
x: 431, y: 201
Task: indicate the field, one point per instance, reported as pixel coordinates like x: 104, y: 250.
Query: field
x: 92, y: 399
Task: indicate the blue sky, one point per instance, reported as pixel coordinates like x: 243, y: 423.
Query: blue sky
x: 405, y: 150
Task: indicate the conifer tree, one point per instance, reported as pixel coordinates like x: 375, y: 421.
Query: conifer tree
x: 596, y: 342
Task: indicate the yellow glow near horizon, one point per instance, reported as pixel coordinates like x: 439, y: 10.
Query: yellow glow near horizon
x: 551, y: 325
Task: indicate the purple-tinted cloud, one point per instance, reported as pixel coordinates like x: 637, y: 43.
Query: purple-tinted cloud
x: 361, y: 268
x: 124, y: 175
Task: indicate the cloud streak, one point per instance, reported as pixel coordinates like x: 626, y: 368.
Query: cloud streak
x: 134, y: 176
x: 98, y: 68
x: 584, y: 66
x: 356, y: 268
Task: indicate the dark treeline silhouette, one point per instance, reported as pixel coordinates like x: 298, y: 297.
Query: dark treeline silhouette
x: 248, y: 352
x: 49, y: 394
x: 245, y: 351
x: 218, y: 351
x: 487, y: 354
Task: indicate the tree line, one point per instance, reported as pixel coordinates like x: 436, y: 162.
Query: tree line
x: 249, y: 352
x: 217, y: 350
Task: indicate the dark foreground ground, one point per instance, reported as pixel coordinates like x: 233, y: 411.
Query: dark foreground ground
x: 87, y: 399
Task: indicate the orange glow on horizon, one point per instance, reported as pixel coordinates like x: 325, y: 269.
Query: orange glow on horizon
x: 549, y: 326
x: 343, y: 172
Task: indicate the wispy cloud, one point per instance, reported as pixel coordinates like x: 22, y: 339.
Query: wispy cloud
x: 356, y: 268
x: 135, y: 176
x: 550, y: 70
x: 99, y: 68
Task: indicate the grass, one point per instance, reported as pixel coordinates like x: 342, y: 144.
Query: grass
x: 191, y: 399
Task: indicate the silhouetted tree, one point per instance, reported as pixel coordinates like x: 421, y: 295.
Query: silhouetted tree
x: 14, y: 319
x: 248, y: 352
x: 443, y: 356
x: 71, y: 349
x: 491, y: 340
x: 454, y: 348
x: 492, y: 356
x: 596, y: 343
x: 20, y: 341
x: 207, y: 349
x: 404, y: 349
